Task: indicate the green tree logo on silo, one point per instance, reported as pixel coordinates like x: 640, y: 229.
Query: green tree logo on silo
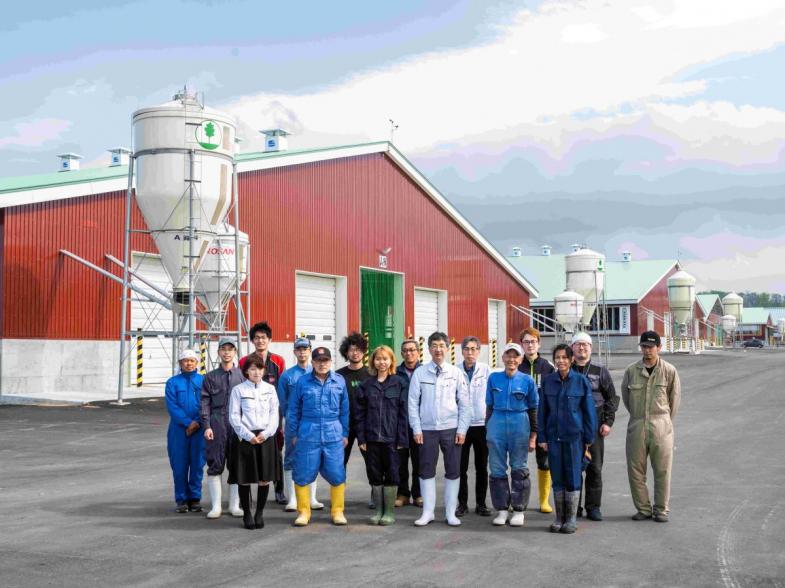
x: 208, y: 135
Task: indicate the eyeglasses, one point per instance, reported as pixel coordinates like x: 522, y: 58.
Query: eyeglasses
x: 440, y: 346
x: 409, y: 350
x: 529, y: 341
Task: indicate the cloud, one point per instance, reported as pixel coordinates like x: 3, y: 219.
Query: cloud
x: 527, y: 75
x: 761, y: 270
x: 35, y: 132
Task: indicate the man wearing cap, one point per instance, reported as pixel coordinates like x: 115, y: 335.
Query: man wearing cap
x: 651, y: 392
x: 537, y: 367
x: 216, y: 388
x: 476, y: 373
x: 183, y: 444
x: 512, y: 401
x: 439, y: 415
x: 606, y: 403
x: 317, y: 422
x: 286, y: 385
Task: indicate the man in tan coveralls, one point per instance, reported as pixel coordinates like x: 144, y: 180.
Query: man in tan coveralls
x: 651, y: 392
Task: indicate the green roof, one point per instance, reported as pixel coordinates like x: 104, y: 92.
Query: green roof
x: 21, y: 183
x: 754, y: 316
x: 64, y: 178
x: 624, y: 280
x: 708, y: 302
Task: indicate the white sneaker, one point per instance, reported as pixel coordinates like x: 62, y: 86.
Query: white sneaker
x: 517, y: 519
x: 214, y: 488
x: 234, y: 501
x: 501, y: 518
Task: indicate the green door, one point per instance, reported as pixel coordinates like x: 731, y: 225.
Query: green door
x: 381, y: 304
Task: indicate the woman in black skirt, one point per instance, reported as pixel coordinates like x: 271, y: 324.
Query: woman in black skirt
x: 253, y: 413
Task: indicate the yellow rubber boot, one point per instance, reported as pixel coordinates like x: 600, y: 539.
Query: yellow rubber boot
x: 544, y: 488
x: 336, y: 504
x: 303, y: 494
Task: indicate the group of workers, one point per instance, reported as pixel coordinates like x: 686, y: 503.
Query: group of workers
x: 269, y: 425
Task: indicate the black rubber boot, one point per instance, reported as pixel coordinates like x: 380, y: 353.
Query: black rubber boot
x: 245, y: 503
x: 521, y: 489
x: 261, y: 500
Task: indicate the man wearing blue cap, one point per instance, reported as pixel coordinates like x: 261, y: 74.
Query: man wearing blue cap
x: 286, y: 386
x: 216, y: 388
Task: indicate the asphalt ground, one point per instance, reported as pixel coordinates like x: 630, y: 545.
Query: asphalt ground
x: 86, y: 500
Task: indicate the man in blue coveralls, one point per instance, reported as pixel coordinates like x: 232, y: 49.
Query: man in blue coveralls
x: 317, y: 421
x: 185, y: 448
x: 286, y: 385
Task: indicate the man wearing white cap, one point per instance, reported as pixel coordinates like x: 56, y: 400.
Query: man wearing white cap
x: 511, y: 414
x: 606, y: 403
x: 184, y: 446
x: 218, y: 433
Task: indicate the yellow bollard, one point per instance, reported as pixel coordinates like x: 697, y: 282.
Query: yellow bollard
x: 452, y: 350
x: 421, y: 347
x: 366, y: 354
x: 494, y: 360
x: 203, y: 356
x: 139, y: 358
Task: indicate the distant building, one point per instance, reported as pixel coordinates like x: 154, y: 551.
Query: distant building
x: 756, y: 323
x: 636, y: 292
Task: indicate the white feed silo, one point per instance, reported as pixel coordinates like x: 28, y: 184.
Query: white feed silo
x: 585, y: 271
x: 728, y: 323
x: 681, y: 298
x: 216, y: 277
x: 733, y: 304
x: 568, y: 310
x: 184, y: 154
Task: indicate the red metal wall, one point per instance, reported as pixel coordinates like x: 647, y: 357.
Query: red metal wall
x: 656, y: 300
x: 327, y: 217
x: 46, y: 295
x: 332, y: 217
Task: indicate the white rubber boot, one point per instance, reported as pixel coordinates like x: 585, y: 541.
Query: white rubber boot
x: 428, y: 491
x: 501, y: 518
x: 315, y: 504
x: 517, y: 519
x: 234, y: 501
x: 451, y: 501
x: 288, y: 486
x: 214, y: 488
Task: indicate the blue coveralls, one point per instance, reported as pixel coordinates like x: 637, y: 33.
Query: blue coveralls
x: 186, y: 454
x: 508, y: 430
x: 286, y: 385
x: 567, y: 422
x: 318, y: 416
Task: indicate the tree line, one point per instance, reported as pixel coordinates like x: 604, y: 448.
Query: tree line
x: 755, y: 298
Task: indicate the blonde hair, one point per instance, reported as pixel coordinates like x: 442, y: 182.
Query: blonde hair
x: 382, y: 349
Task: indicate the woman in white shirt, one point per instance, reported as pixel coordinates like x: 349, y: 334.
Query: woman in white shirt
x: 253, y: 414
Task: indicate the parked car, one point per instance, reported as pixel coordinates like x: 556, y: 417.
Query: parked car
x: 753, y: 343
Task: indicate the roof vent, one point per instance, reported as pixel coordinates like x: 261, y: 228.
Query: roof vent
x: 275, y: 140
x: 119, y: 156
x: 69, y: 161
x: 546, y: 250
x: 626, y: 256
x: 517, y: 252
x: 576, y: 247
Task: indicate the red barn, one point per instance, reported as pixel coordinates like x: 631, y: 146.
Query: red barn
x: 342, y: 239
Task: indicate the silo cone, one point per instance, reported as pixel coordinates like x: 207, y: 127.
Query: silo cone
x: 164, y: 178
x: 585, y: 271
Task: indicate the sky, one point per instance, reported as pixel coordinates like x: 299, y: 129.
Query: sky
x: 654, y: 127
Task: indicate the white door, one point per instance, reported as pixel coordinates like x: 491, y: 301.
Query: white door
x: 426, y: 317
x: 150, y: 316
x: 315, y: 310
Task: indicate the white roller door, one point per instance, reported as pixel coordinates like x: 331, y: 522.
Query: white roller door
x: 149, y: 316
x: 315, y: 310
x: 426, y: 317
